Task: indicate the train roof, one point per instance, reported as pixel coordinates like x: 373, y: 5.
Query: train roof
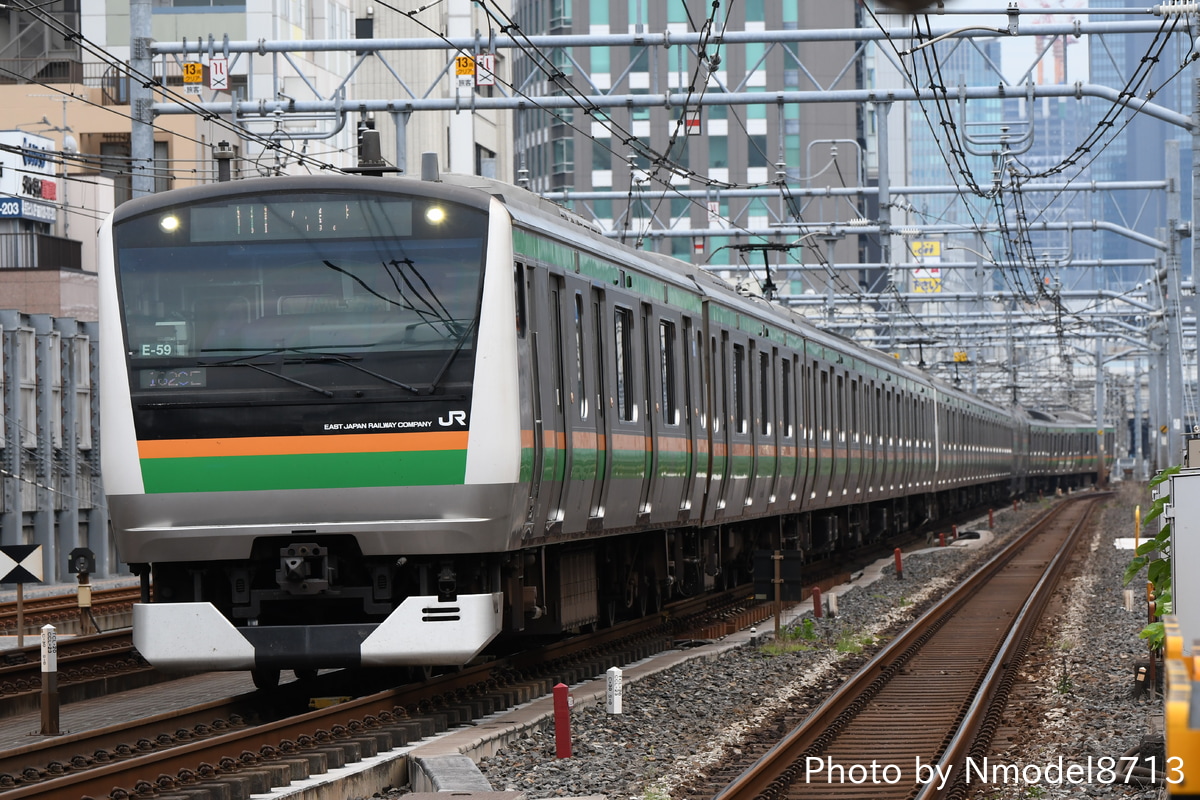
x: 534, y: 210
x: 547, y: 216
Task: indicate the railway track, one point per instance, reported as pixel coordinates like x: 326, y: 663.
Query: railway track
x: 907, y: 723
x: 112, y: 608
x: 245, y: 739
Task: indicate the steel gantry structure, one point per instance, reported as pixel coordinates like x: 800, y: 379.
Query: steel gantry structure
x: 1154, y: 324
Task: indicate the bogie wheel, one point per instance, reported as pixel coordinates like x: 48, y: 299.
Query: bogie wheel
x: 265, y: 679
x: 608, y: 613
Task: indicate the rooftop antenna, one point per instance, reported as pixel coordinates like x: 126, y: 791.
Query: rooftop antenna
x: 370, y: 158
x: 429, y: 168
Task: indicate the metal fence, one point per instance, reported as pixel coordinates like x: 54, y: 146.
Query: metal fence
x: 39, y: 251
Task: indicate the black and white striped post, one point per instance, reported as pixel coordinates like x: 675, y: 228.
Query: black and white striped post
x: 49, y: 681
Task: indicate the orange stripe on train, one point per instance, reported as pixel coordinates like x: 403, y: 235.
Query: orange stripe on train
x: 301, y: 445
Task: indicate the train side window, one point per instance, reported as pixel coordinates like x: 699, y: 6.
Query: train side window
x: 581, y: 396
x: 825, y: 430
x: 719, y: 413
x: 785, y: 383
x: 840, y: 408
x: 854, y: 396
x: 696, y: 362
x: 764, y: 393
x: 670, y: 395
x: 598, y: 376
x: 739, y: 387
x: 623, y: 350
x: 556, y: 339
x: 519, y: 278
x: 879, y: 414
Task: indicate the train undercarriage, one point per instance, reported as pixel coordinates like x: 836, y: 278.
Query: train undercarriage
x: 292, y: 588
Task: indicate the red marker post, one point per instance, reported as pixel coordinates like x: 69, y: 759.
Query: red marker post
x: 817, y: 612
x: 563, y: 702
x: 899, y: 564
x: 941, y: 540
x: 991, y: 518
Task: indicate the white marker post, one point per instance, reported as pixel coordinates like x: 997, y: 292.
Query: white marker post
x: 49, y: 681
x: 613, y: 703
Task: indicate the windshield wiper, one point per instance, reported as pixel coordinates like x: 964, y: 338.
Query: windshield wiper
x: 279, y: 375
x: 462, y: 339
x: 326, y: 357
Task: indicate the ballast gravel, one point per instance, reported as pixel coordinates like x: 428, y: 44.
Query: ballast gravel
x: 1074, y: 702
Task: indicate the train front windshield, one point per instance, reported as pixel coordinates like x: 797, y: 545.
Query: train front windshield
x: 328, y: 290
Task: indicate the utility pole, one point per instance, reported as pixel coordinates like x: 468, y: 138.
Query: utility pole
x: 141, y: 99
x: 1174, y: 304
x: 462, y: 121
x: 1138, y: 445
x: 69, y: 145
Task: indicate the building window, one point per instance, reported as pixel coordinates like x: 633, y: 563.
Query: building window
x: 603, y: 209
x: 718, y: 151
x: 637, y: 11
x: 564, y: 156
x: 756, y: 155
x: 602, y: 154
x: 560, y: 14
x: 561, y: 57
x: 601, y: 56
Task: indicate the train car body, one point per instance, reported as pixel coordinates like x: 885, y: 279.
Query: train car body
x: 378, y: 421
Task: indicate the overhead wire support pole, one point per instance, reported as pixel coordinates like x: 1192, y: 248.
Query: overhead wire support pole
x: 466, y: 44
x: 266, y: 108
x: 141, y: 98
x: 1174, y: 304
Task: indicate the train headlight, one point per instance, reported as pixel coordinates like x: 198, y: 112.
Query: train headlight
x: 435, y: 215
x: 169, y: 223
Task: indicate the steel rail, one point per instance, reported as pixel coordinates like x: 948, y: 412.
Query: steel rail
x: 900, y: 662
x: 227, y: 751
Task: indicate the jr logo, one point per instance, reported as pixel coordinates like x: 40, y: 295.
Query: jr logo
x: 453, y: 418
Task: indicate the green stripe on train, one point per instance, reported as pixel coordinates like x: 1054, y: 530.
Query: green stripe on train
x: 307, y: 471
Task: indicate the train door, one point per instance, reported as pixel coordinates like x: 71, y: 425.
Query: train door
x: 627, y: 427
x: 543, y: 298
x: 584, y: 442
x: 874, y: 465
x: 695, y: 419
x: 857, y: 471
x: 668, y: 406
x: 887, y: 444
x: 786, y: 487
x: 826, y: 456
x: 807, y: 423
x: 841, y: 439
x: 908, y: 461
x: 603, y: 417
x: 718, y: 370
x: 740, y: 464
x: 767, y: 427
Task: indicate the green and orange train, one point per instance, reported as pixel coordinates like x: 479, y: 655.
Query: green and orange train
x: 379, y: 421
